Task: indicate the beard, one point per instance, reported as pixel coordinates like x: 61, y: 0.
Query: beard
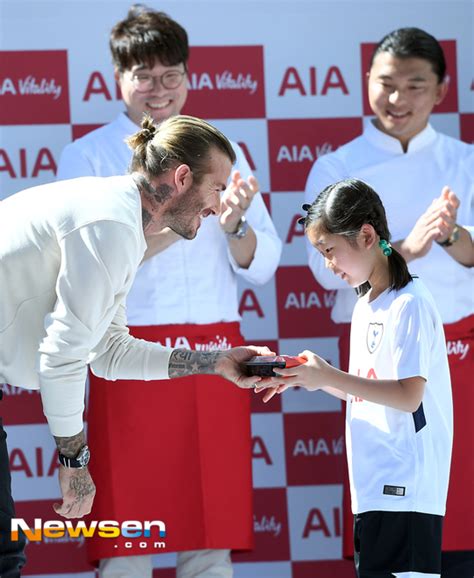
x: 183, y: 214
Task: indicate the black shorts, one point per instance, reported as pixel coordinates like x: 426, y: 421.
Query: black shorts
x: 389, y: 542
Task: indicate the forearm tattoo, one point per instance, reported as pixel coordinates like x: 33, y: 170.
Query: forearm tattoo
x: 186, y: 362
x: 70, y: 447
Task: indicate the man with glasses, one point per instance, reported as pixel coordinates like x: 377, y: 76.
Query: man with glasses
x: 191, y: 463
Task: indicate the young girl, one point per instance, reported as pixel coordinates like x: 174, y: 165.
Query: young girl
x: 398, y: 392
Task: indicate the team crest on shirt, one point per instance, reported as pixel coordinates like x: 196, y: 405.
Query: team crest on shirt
x: 374, y: 336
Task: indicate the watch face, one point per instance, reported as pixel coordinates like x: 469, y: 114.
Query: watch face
x: 84, y: 456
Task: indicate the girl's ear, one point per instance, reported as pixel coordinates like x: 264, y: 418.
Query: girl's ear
x: 368, y: 236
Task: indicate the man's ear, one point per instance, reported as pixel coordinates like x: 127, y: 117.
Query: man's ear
x: 117, y: 75
x: 442, y: 90
x: 183, y: 178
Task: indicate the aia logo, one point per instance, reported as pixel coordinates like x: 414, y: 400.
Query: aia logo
x: 313, y: 82
x: 314, y: 449
x: 320, y: 446
x: 25, y: 163
x: 34, y: 87
x: 296, y: 144
x: 38, y: 465
x: 226, y: 82
x: 327, y: 525
x: 374, y: 336
x: 304, y: 307
x: 449, y: 104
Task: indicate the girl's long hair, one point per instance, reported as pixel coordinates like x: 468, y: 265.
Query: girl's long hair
x: 342, y: 209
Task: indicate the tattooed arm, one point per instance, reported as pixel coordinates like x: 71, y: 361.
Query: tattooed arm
x: 77, y: 487
x: 228, y: 364
x: 70, y: 447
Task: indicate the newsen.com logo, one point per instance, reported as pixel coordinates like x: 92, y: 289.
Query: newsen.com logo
x: 133, y: 531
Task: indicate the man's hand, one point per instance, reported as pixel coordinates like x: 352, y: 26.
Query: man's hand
x: 78, y: 491
x: 77, y: 487
x: 448, y: 204
x: 419, y: 241
x: 236, y: 199
x: 434, y: 224
x: 228, y: 364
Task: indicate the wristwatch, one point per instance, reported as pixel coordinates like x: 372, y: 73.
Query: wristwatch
x: 241, y: 231
x: 452, y: 238
x: 80, y: 461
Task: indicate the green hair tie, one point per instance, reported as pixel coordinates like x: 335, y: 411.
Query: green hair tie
x: 386, y: 247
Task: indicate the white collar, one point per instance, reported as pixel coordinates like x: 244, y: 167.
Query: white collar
x: 389, y: 143
x: 128, y: 123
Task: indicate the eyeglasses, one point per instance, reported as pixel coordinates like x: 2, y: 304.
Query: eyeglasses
x: 144, y: 82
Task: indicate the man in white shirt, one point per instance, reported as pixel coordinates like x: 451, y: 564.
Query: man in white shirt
x: 69, y: 252
x: 407, y: 162
x: 195, y: 303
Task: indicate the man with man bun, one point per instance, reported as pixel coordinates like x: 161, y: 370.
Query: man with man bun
x: 69, y: 252
x: 192, y: 462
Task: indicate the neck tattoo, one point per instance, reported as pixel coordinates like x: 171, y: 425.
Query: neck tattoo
x: 146, y: 218
x: 158, y: 194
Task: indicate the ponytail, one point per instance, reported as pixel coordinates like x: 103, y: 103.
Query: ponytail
x: 398, y: 271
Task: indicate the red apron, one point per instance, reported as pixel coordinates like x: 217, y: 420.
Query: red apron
x: 458, y: 528
x: 176, y: 450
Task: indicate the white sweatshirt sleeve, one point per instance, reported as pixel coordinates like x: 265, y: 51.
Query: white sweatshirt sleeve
x: 269, y: 246
x: 120, y: 356
x: 93, y: 280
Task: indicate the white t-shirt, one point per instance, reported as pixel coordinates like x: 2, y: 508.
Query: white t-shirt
x: 407, y: 183
x: 400, y: 461
x: 191, y: 281
x: 69, y: 252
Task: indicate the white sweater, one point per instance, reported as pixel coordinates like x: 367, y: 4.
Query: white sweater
x: 69, y: 252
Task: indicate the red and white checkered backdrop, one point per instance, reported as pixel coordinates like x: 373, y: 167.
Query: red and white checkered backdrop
x: 285, y: 79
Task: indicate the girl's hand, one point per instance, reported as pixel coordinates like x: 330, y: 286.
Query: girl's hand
x: 312, y: 375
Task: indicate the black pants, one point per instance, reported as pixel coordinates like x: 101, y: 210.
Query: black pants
x: 386, y: 543
x: 12, y: 557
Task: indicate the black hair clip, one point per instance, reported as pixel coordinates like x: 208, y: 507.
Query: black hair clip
x: 306, y: 208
